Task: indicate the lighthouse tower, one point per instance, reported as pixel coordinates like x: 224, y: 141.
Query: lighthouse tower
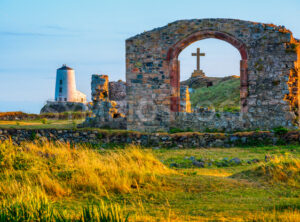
x: 65, y: 89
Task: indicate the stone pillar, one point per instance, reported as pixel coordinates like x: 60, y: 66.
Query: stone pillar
x: 185, y: 103
x: 244, y: 85
x: 175, y: 86
x: 99, y: 88
x: 297, y: 70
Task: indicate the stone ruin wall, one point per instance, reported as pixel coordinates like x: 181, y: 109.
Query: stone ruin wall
x: 293, y: 79
x: 208, y: 120
x: 108, y: 113
x: 269, y: 76
x: 205, y: 120
x: 269, y: 80
x: 117, y: 92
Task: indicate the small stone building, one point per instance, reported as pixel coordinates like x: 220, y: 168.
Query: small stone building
x: 269, y: 71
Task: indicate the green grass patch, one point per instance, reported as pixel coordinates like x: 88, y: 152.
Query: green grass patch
x: 40, y: 124
x: 224, y: 96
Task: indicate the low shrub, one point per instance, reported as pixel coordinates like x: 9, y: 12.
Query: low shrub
x: 280, y: 130
x: 177, y: 130
x: 231, y: 109
x: 44, y: 120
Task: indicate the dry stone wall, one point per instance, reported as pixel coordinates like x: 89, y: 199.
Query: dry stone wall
x: 104, y: 139
x: 269, y: 74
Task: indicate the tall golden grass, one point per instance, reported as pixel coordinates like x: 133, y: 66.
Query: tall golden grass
x: 38, y: 208
x: 284, y: 169
x: 60, y: 170
x: 34, y: 173
x: 274, y: 216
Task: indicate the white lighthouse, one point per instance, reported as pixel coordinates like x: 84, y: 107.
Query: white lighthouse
x: 65, y: 89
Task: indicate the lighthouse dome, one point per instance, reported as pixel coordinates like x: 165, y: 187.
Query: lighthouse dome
x: 65, y: 67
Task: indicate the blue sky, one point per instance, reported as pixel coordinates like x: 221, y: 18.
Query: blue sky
x: 38, y: 36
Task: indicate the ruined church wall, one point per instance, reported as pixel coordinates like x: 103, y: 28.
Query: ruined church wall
x: 208, y: 120
x: 153, y: 87
x: 297, y: 71
x: 106, y: 113
x: 117, y: 92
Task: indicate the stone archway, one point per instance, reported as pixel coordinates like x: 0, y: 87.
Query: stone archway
x: 269, y: 75
x: 172, y: 58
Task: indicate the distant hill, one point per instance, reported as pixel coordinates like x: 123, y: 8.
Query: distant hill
x: 223, y: 94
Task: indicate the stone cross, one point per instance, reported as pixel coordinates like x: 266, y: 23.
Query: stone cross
x: 198, y: 54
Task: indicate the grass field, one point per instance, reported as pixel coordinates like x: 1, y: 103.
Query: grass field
x: 40, y: 124
x: 224, y: 95
x: 149, y: 184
